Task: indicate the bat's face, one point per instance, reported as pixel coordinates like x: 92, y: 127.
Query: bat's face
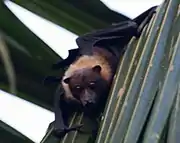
x: 88, y: 86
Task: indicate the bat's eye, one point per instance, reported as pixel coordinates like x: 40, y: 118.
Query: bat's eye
x: 92, y: 84
x: 78, y: 88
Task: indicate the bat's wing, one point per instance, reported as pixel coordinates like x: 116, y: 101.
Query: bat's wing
x: 59, y: 125
x: 73, y: 54
x: 114, y: 38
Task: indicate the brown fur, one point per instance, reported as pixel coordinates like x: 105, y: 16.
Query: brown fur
x: 100, y: 57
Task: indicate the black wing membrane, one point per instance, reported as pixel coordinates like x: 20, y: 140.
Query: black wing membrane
x: 73, y: 53
x: 114, y: 38
x: 60, y: 125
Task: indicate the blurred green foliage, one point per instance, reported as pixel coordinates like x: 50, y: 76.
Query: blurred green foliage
x: 30, y: 57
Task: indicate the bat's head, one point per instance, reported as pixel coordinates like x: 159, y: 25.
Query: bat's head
x: 88, y: 86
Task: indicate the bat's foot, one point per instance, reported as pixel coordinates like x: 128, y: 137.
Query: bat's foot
x: 62, y: 132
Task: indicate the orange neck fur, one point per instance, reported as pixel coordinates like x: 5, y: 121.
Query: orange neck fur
x: 89, y: 62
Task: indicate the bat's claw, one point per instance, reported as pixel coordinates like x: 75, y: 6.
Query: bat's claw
x: 62, y: 132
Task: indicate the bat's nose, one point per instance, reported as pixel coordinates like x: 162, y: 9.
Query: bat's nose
x: 88, y: 102
x: 88, y: 99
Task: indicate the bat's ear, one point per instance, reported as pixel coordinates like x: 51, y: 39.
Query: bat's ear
x: 97, y: 68
x: 66, y: 80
